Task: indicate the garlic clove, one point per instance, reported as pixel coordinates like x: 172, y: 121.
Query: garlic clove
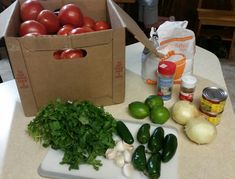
x: 128, y: 146
x: 110, y: 153
x: 127, y: 156
x: 120, y: 146
x: 127, y: 169
x: 119, y: 159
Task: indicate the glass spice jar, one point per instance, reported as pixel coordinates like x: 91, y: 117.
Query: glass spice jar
x: 187, y: 87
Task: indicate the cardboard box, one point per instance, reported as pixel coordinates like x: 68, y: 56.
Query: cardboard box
x: 98, y: 77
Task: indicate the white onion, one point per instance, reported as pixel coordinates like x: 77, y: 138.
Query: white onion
x: 182, y: 111
x: 200, y: 131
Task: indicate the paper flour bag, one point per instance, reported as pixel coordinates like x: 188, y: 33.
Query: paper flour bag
x: 178, y: 44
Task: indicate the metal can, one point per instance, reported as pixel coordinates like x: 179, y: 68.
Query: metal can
x: 213, y: 100
x: 212, y: 118
x: 212, y: 103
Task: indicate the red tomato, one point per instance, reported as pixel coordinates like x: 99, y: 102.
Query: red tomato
x: 32, y: 34
x: 32, y: 26
x: 71, y: 14
x: 57, y: 54
x: 88, y: 22
x: 101, y: 25
x: 72, y: 53
x: 49, y: 20
x: 30, y: 9
x: 65, y: 30
x: 80, y: 30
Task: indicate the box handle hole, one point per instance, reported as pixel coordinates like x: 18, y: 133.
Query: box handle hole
x: 65, y: 54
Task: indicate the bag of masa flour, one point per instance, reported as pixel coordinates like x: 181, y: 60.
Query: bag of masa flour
x: 177, y: 44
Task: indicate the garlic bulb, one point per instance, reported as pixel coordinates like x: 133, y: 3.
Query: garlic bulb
x: 122, y: 155
x: 110, y: 154
x: 119, y: 160
x: 128, y: 147
x: 120, y: 146
x: 127, y: 156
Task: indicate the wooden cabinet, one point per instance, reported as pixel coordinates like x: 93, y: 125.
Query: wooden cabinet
x: 219, y: 21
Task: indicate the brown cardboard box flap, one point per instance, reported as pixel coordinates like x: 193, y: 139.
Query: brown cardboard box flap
x: 132, y: 26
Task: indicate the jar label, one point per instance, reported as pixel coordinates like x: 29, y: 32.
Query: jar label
x: 186, y: 96
x: 164, y: 88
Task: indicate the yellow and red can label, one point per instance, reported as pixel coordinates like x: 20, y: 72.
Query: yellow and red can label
x: 212, y: 118
x: 210, y: 106
x: 212, y: 103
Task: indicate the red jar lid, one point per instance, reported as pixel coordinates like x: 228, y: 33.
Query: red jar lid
x: 166, y: 67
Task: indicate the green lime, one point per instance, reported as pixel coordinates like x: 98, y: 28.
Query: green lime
x: 154, y: 101
x: 159, y: 115
x: 138, y: 110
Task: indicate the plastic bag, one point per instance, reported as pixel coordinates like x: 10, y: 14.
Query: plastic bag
x: 174, y: 37
x: 177, y: 44
x: 150, y: 61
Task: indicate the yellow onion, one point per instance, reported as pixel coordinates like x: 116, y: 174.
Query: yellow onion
x: 200, y: 130
x: 182, y: 111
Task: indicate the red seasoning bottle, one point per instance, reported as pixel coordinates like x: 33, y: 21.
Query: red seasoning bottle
x: 187, y: 87
x: 165, y: 73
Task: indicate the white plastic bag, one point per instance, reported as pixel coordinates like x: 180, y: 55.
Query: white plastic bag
x: 177, y: 44
x: 150, y: 61
x: 173, y: 36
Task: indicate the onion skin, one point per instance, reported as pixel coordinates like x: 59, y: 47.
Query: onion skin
x: 200, y: 131
x: 183, y: 111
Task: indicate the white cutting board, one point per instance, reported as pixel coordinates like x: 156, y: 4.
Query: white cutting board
x: 50, y: 166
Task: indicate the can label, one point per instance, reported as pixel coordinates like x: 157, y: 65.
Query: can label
x: 210, y: 106
x: 212, y: 103
x: 212, y: 118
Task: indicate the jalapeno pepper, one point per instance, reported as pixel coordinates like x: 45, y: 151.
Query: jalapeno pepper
x: 156, y: 140
x: 154, y: 166
x: 169, y: 147
x: 139, y: 158
x: 124, y: 132
x: 143, y: 134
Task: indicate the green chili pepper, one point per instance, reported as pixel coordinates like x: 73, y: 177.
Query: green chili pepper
x: 139, y: 158
x: 156, y: 140
x: 143, y: 134
x: 154, y: 166
x: 169, y: 147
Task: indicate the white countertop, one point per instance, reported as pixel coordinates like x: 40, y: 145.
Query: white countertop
x: 20, y: 155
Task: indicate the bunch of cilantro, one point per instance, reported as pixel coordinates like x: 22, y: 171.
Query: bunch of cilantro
x: 81, y: 130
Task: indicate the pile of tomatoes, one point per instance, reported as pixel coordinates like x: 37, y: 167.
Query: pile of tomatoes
x: 67, y: 20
